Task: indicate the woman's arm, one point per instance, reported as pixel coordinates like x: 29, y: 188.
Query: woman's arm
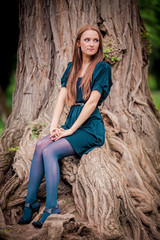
x: 87, y: 110
x: 58, y: 108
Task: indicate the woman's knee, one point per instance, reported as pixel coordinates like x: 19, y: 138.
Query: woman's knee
x: 39, y: 144
x: 49, y: 152
x: 46, y: 152
x: 42, y: 143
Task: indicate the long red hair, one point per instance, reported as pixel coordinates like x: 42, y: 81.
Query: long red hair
x: 77, y: 64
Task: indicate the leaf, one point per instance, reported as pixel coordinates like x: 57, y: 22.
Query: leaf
x: 107, y: 50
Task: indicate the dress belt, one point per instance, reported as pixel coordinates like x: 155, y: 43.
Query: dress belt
x: 79, y: 104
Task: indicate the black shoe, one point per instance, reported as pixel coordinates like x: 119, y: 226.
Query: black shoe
x: 28, y: 206
x: 38, y: 224
x: 46, y: 213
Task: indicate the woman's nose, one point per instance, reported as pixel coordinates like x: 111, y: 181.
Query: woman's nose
x: 91, y: 43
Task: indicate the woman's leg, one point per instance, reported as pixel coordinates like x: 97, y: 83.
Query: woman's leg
x: 35, y: 178
x: 51, y: 154
x: 37, y: 169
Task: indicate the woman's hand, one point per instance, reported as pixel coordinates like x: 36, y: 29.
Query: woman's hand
x: 60, y: 133
x: 53, y: 130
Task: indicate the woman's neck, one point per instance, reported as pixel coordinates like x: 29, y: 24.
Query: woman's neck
x: 85, y: 63
x: 86, y: 60
x: 83, y: 69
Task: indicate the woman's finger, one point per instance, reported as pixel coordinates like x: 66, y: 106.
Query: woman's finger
x: 55, y: 131
x: 60, y: 135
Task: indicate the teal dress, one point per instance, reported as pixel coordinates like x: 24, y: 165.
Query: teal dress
x: 91, y: 133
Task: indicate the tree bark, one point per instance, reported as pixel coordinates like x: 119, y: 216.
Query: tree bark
x: 116, y: 187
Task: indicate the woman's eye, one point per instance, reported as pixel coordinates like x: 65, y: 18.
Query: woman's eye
x: 87, y: 40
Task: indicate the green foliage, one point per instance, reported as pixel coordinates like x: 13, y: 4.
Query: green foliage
x: 145, y: 35
x: 1, y: 131
x: 10, y: 89
x: 152, y: 82
x: 156, y: 99
x: 109, y: 53
x: 150, y: 12
x: 1, y: 126
x: 8, y: 96
x: 13, y: 149
x: 36, y: 129
x: 5, y: 230
x: 154, y: 92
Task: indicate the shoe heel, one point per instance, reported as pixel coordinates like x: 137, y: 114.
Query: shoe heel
x: 29, y: 206
x: 36, y: 209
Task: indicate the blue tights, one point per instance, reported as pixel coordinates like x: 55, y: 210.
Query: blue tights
x: 45, y: 161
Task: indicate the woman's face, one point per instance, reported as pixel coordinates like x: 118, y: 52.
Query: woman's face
x: 89, y: 43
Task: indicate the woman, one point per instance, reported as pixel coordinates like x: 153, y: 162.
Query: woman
x: 85, y: 85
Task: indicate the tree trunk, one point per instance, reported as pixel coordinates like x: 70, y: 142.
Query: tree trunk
x: 116, y: 187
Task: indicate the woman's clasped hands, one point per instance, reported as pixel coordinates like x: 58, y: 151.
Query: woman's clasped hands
x: 57, y: 133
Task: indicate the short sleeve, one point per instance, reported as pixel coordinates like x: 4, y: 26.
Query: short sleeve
x: 65, y: 75
x: 102, y: 80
